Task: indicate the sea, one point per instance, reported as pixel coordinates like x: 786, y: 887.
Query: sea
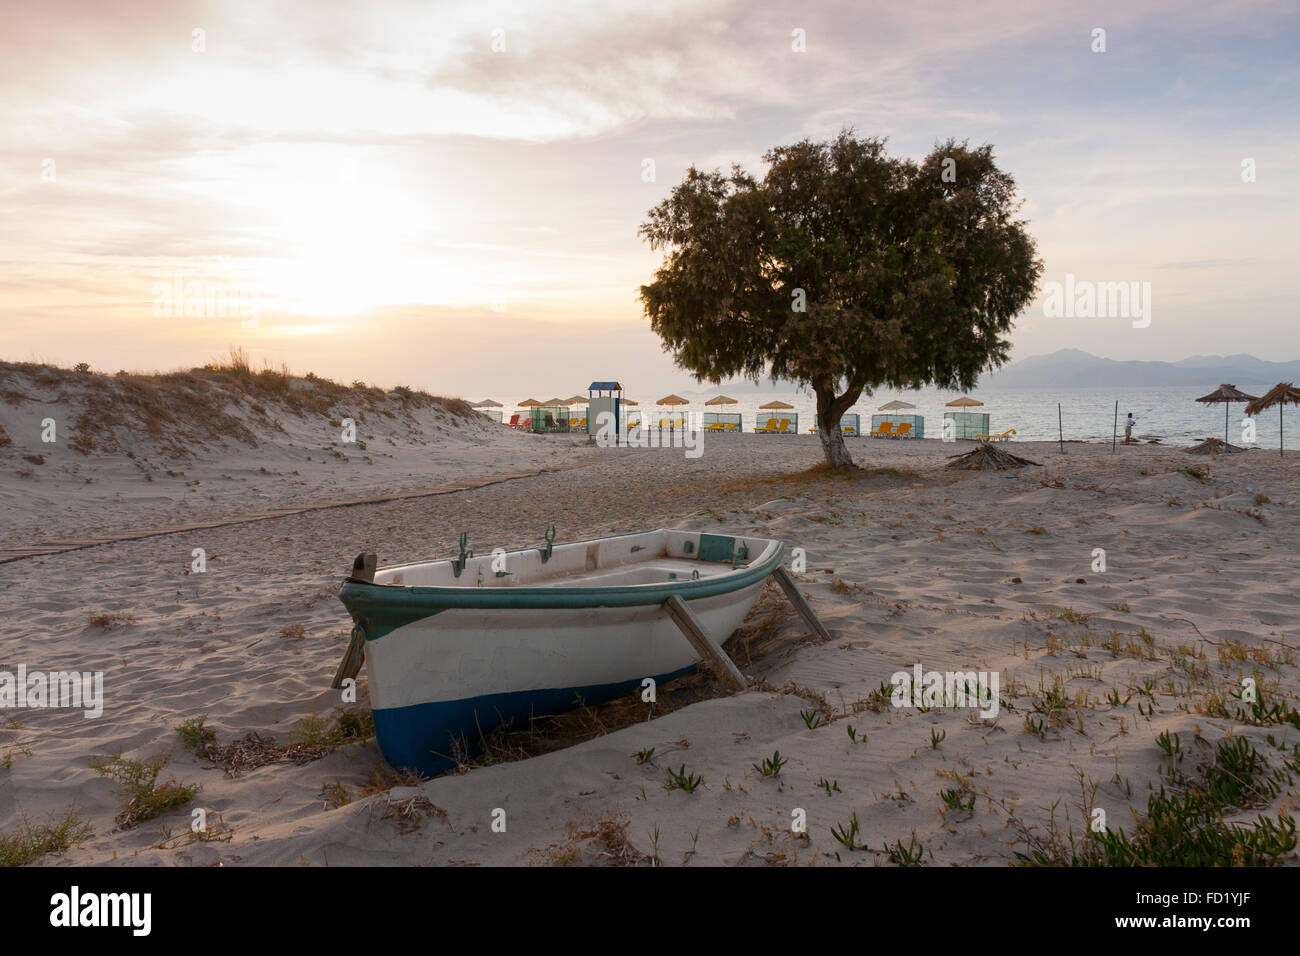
x: 1168, y: 415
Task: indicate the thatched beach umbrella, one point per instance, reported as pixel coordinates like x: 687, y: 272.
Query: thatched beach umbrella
x: 1227, y: 394
x: 1280, y: 395
x: 776, y: 404
x: 963, y: 402
x: 721, y: 400
x: 529, y: 403
x: 576, y: 400
x: 671, y: 400
x: 895, y: 406
x: 486, y: 403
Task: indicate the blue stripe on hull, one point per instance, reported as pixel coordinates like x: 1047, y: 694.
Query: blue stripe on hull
x: 420, y: 737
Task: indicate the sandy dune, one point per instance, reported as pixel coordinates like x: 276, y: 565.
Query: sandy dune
x: 146, y: 452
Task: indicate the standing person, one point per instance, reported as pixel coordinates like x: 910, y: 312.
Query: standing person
x: 1128, y: 428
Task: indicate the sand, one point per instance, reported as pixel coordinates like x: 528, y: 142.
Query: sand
x: 907, y: 563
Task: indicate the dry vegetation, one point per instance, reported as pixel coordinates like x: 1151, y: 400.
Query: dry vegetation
x: 598, y: 842
x: 185, y: 410
x: 989, y: 457
x: 311, y: 738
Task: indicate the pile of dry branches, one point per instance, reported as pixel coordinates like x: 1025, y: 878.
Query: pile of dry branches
x: 988, y: 457
x: 1212, y: 446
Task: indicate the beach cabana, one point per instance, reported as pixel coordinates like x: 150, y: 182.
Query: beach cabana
x: 850, y: 424
x: 489, y: 408
x: 674, y: 421
x: 1280, y: 395
x: 1226, y: 394
x: 551, y: 415
x: 777, y: 421
x: 575, y: 402
x: 965, y: 424
x: 719, y: 421
x: 525, y: 417
x: 633, y: 417
x: 896, y: 425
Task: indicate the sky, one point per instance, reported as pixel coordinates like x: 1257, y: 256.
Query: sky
x: 447, y: 195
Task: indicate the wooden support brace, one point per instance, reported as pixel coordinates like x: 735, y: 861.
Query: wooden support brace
x: 353, y: 658
x: 363, y: 571
x: 707, y: 648
x: 806, y: 614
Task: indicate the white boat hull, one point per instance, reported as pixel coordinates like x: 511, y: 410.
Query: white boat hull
x: 439, y: 681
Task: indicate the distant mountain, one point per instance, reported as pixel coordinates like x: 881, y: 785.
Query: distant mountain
x: 765, y: 386
x: 1074, y: 368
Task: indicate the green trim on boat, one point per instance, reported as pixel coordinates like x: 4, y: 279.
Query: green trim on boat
x: 386, y: 607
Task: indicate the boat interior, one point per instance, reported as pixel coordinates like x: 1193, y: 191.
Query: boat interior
x: 648, y: 558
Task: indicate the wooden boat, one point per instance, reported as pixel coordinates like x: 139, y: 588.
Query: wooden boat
x: 457, y: 647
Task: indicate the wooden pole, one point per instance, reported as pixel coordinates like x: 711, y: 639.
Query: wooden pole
x: 1060, y: 428
x: 707, y: 648
x: 806, y: 614
x: 1226, y: 447
x: 363, y: 568
x: 1280, y: 406
x: 1114, y: 432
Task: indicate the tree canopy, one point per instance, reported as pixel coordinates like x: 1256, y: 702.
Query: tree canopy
x: 842, y: 269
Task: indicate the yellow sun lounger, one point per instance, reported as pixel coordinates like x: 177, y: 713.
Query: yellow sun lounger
x: 885, y: 428
x: 770, y: 426
x: 903, y: 429
x: 1000, y: 436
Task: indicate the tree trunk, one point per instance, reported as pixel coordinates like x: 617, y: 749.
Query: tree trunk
x: 830, y: 409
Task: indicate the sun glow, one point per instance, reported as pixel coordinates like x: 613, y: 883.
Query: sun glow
x: 350, y: 231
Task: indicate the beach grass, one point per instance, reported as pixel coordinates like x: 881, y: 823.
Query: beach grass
x: 29, y: 843
x: 146, y: 798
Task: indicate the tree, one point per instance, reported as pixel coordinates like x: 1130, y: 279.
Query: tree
x: 842, y: 269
